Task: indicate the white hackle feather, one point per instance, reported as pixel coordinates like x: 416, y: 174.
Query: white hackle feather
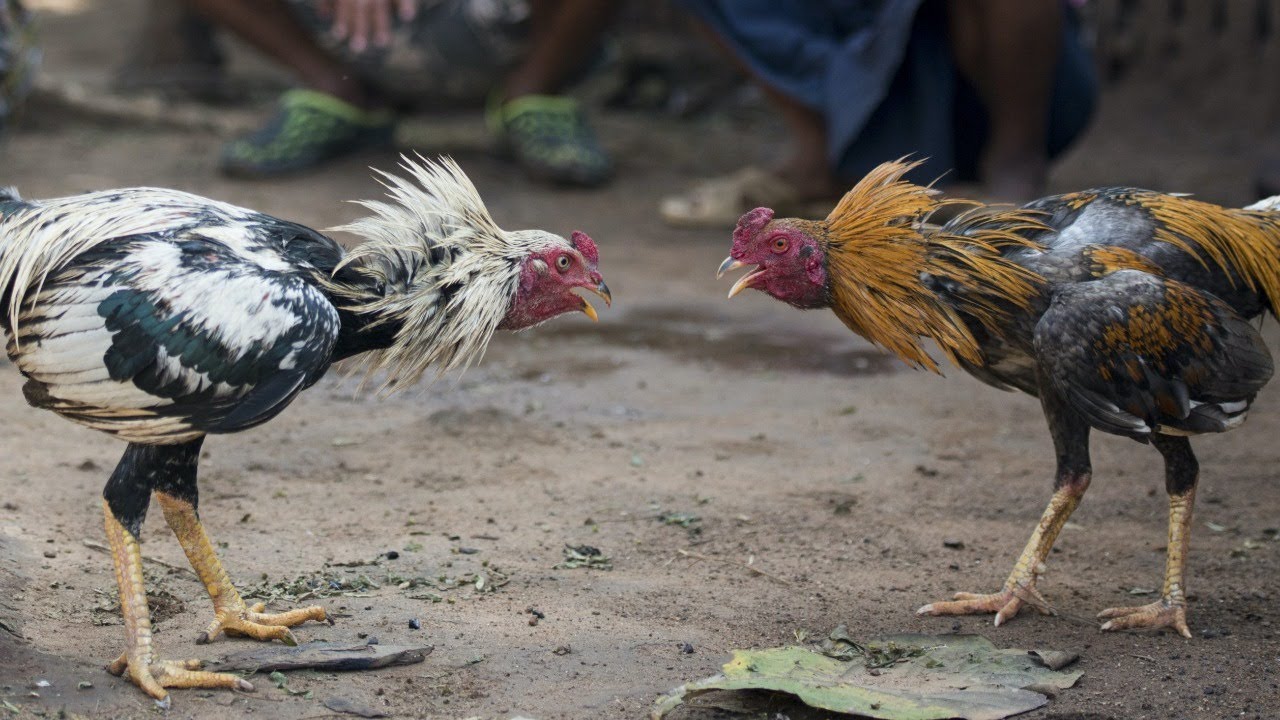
x: 435, y: 238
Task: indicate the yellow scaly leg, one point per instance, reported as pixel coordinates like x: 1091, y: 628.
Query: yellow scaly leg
x: 1171, y: 609
x: 138, y: 661
x: 231, y: 615
x: 1020, y: 588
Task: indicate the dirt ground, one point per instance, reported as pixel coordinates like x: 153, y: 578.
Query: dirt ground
x: 804, y: 452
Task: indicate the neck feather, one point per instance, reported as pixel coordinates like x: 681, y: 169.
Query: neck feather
x: 407, y: 315
x: 882, y: 260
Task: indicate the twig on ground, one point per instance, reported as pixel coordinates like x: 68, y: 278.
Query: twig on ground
x: 747, y: 565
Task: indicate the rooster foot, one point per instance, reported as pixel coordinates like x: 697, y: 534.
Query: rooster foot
x: 1159, y: 614
x: 252, y: 622
x: 153, y: 676
x: 1004, y: 604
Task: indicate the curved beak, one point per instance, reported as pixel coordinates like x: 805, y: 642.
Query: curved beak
x: 744, y: 282
x: 728, y: 265
x: 603, y: 291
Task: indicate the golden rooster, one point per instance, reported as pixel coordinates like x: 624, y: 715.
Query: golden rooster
x: 162, y: 317
x: 1123, y: 310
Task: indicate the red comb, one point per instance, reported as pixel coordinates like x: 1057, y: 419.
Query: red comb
x: 585, y: 245
x: 751, y: 223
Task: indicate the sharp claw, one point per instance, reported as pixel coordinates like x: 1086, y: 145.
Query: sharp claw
x: 164, y: 703
x: 288, y: 639
x: 244, y: 685
x: 925, y: 609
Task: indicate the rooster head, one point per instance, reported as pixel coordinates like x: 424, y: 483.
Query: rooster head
x: 436, y: 266
x: 789, y: 256
x: 549, y: 276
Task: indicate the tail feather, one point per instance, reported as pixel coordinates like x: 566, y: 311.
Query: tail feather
x: 9, y: 194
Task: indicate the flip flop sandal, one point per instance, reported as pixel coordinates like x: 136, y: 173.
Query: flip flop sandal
x: 549, y: 137
x: 308, y: 129
x: 719, y: 202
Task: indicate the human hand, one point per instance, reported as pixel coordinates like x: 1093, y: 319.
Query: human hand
x: 365, y: 22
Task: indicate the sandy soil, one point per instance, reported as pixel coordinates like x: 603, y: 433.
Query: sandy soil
x: 806, y: 453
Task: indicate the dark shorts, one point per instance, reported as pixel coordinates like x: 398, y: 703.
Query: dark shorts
x: 882, y: 74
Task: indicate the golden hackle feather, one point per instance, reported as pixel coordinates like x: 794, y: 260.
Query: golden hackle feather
x: 1244, y: 242
x: 880, y: 246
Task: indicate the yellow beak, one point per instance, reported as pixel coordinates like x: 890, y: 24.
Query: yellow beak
x: 743, y: 282
x: 603, y: 291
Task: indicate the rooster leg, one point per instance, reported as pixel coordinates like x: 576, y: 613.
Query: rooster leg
x: 1181, y: 474
x: 138, y: 662
x: 1071, y: 441
x: 231, y: 615
x: 1020, y: 588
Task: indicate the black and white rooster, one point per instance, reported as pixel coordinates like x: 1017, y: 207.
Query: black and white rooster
x: 160, y: 317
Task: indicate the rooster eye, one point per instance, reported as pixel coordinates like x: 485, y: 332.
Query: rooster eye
x: 563, y: 263
x: 780, y: 244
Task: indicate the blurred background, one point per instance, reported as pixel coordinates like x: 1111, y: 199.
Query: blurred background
x: 1186, y: 95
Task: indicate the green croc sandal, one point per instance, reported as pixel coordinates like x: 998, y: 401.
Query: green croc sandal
x: 308, y: 129
x: 550, y: 138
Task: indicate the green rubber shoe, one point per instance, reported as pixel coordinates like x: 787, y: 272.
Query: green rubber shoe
x: 308, y: 129
x: 550, y: 138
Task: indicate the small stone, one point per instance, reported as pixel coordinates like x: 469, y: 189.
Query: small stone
x: 953, y: 543
x: 415, y: 624
x: 50, y: 553
x: 686, y: 648
x: 392, y: 554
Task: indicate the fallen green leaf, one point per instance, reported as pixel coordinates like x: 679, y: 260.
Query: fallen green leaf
x: 926, y: 678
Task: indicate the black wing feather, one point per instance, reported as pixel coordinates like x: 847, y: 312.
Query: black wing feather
x: 1137, y: 354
